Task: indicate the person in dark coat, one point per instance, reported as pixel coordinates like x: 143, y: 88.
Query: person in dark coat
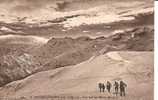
x: 116, y: 87
x: 122, y: 88
x: 103, y: 87
x: 108, y: 86
x: 100, y: 87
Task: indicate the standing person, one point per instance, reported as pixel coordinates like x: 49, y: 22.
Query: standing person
x: 100, y: 86
x: 103, y: 87
x: 122, y: 88
x: 116, y: 86
x: 108, y: 86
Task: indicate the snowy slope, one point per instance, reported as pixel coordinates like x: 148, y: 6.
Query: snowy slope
x: 135, y: 68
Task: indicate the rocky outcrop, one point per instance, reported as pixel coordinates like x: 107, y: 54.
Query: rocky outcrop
x: 14, y: 67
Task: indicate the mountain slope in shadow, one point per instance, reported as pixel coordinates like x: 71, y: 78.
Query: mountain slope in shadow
x: 61, y: 52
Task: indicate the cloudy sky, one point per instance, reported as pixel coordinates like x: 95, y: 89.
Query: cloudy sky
x: 45, y: 9
x: 27, y: 5
x: 24, y: 5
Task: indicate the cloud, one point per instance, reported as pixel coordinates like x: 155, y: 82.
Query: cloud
x: 25, y: 5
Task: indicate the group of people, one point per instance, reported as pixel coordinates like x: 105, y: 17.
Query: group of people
x: 119, y: 87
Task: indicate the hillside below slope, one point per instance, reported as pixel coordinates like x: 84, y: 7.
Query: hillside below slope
x: 60, y: 52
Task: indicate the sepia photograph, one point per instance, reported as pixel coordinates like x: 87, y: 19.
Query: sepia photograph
x: 77, y: 49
